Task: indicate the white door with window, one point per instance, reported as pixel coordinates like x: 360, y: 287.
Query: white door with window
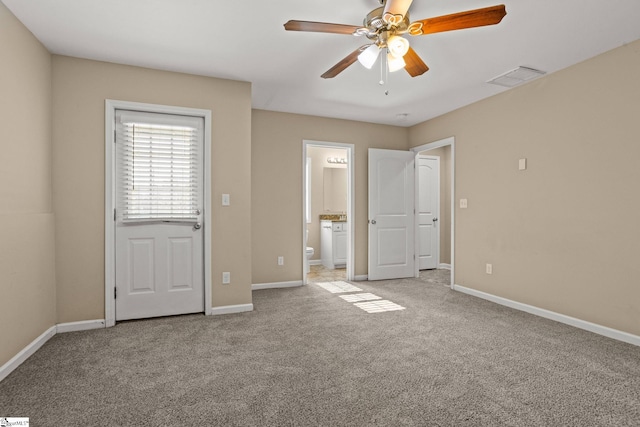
x: 428, y: 208
x: 158, y: 216
x: 391, y: 214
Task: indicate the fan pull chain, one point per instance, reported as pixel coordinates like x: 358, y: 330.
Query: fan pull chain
x: 381, y: 68
x: 384, y: 70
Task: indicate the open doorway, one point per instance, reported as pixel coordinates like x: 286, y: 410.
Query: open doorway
x: 444, y: 151
x: 327, y: 212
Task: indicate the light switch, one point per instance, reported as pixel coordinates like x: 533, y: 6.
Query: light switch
x: 226, y: 277
x: 463, y: 203
x: 226, y: 200
x: 522, y: 164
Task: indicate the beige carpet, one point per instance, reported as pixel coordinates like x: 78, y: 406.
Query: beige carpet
x: 307, y: 357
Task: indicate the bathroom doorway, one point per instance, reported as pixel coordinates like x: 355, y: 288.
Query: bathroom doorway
x: 327, y: 212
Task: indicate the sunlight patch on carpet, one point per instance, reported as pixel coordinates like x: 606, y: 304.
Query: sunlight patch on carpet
x: 360, y: 297
x: 338, y: 287
x: 378, y: 306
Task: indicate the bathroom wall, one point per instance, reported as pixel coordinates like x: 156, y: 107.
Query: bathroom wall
x: 335, y: 190
x: 319, y: 162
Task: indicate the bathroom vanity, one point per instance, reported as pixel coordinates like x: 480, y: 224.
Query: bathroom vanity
x: 333, y: 242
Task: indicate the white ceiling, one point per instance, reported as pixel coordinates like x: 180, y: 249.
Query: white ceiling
x: 245, y: 40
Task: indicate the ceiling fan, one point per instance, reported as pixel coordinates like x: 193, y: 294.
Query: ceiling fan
x: 385, y: 27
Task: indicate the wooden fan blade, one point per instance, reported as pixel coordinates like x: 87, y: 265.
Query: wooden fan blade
x: 458, y: 21
x: 397, y: 9
x: 320, y: 27
x: 415, y: 65
x: 342, y: 65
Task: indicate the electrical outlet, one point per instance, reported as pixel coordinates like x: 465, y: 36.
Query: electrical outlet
x: 226, y: 278
x: 280, y: 260
x: 226, y: 200
x: 489, y: 269
x: 463, y: 203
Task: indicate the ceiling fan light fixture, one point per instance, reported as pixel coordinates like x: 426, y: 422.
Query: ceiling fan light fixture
x: 369, y: 56
x: 395, y: 63
x: 398, y: 46
x: 386, y: 26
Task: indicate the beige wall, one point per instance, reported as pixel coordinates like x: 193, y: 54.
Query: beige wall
x: 276, y: 184
x: 80, y: 89
x: 318, y: 157
x: 562, y: 235
x: 27, y: 287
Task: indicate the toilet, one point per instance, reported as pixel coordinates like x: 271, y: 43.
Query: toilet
x: 309, y: 251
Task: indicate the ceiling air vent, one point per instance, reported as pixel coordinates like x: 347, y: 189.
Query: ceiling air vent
x: 516, y: 77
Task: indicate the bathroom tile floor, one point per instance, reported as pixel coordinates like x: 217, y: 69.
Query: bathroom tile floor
x: 319, y: 273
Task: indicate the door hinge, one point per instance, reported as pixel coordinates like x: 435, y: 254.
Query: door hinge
x: 114, y: 214
x: 114, y: 136
x: 115, y: 292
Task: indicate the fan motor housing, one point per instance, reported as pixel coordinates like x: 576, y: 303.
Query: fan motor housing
x: 377, y: 26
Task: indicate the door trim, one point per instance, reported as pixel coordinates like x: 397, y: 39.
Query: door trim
x: 351, y: 205
x: 109, y: 200
x: 451, y: 141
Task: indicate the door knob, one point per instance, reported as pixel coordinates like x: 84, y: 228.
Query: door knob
x: 197, y: 226
x: 435, y: 219
x: 373, y: 221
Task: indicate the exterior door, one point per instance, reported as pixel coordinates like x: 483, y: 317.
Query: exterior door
x: 428, y: 208
x: 391, y: 214
x: 158, y: 218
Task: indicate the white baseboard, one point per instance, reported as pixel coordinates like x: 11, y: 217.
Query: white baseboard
x: 362, y: 278
x: 315, y: 262
x: 84, y: 325
x: 231, y: 309
x: 276, y: 285
x: 568, y: 320
x: 24, y: 354
x: 444, y: 266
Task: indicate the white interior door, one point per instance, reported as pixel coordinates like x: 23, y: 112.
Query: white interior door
x: 158, y: 221
x: 428, y: 208
x: 391, y: 214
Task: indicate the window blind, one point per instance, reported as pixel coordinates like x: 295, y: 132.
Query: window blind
x: 159, y: 166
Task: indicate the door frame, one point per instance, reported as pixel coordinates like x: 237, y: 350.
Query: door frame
x: 450, y: 141
x: 109, y: 200
x: 350, y: 203
x: 417, y: 203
